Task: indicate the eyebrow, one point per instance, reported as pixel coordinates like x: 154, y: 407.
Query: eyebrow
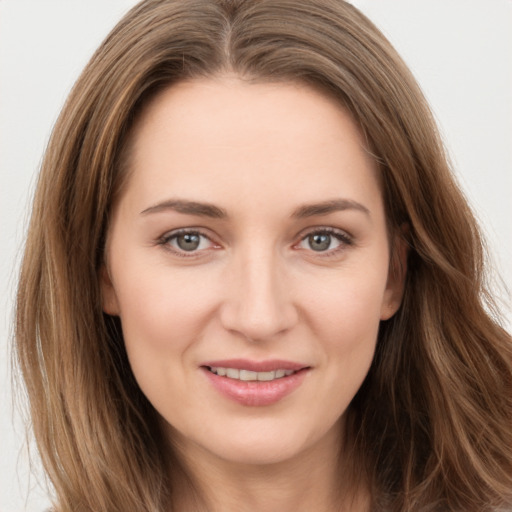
x: 210, y: 210
x: 188, y: 207
x: 327, y: 207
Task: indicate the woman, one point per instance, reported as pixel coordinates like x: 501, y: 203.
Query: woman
x: 250, y: 282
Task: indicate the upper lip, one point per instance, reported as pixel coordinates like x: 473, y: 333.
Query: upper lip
x: 256, y: 366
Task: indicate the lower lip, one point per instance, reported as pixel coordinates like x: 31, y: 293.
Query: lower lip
x: 256, y: 393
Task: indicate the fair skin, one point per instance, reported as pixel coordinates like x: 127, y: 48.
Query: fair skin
x: 251, y: 233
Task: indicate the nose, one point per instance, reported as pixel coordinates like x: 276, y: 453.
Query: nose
x: 258, y: 304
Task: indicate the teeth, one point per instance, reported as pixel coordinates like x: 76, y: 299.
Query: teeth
x: 248, y: 375
x: 232, y: 373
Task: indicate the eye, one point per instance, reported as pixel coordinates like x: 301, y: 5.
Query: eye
x: 325, y: 240
x: 186, y: 241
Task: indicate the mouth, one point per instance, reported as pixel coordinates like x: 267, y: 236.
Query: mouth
x: 249, y: 375
x: 252, y: 383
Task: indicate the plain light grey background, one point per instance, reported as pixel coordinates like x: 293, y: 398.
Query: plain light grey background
x: 459, y: 50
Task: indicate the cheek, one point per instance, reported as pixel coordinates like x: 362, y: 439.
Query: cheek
x: 348, y: 302
x: 162, y: 313
x: 345, y: 316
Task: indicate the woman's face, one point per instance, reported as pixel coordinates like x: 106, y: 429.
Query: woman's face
x: 248, y: 261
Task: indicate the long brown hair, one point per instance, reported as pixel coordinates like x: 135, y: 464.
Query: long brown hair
x: 430, y: 429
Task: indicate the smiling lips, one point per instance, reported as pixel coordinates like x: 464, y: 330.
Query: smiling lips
x: 249, y: 375
x: 255, y: 383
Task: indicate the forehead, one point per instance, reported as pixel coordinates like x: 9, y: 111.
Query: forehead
x: 226, y: 137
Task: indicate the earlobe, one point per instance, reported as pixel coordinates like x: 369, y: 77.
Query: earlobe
x: 395, y: 286
x: 109, y: 301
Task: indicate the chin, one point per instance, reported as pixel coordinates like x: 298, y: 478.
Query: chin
x: 263, y: 441
x: 261, y: 452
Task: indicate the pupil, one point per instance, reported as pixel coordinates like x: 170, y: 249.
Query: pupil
x: 188, y: 242
x: 319, y: 242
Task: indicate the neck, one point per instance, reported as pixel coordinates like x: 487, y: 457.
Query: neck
x: 314, y: 480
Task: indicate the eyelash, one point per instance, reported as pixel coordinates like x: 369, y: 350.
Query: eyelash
x: 168, y: 237
x: 344, y: 239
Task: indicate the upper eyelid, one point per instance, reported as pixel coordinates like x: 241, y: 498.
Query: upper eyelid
x: 183, y: 231
x: 324, y: 229
x: 302, y: 233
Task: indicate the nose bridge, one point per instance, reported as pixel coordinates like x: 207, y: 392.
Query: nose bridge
x: 258, y: 305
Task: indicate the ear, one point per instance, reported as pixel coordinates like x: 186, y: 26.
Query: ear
x: 109, y: 300
x: 395, y: 285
